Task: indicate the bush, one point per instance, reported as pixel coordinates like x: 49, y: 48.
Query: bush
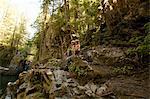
x: 143, y: 46
x: 78, y: 70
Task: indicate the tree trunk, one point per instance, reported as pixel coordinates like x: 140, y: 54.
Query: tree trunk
x: 13, y: 36
x: 43, y: 32
x: 62, y: 47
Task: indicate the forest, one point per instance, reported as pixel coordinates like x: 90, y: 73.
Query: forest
x: 81, y: 49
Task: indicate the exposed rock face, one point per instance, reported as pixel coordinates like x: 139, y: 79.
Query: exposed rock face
x: 43, y: 83
x: 49, y: 84
x: 129, y: 86
x: 53, y: 82
x: 106, y: 56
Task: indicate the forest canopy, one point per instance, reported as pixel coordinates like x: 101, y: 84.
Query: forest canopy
x: 117, y: 23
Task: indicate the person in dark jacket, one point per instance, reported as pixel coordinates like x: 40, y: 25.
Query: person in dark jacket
x: 26, y: 65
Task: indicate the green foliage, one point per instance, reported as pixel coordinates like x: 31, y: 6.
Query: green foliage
x: 136, y: 40
x: 142, y: 48
x: 76, y: 17
x: 38, y: 95
x: 78, y: 70
x: 147, y: 27
x: 46, y: 2
x: 13, y: 31
x: 119, y: 24
x: 54, y: 62
x: 143, y: 43
x: 122, y: 70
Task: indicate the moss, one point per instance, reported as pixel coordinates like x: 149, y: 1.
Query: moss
x: 122, y: 70
x: 77, y: 69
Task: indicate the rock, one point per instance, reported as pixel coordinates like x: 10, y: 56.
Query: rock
x: 59, y: 78
x: 48, y: 72
x: 63, y: 97
x: 61, y: 83
x: 104, y: 90
x: 10, y: 90
x: 93, y: 87
x: 130, y: 86
x: 36, y: 95
x: 8, y: 97
x: 22, y: 87
x: 30, y: 90
x: 100, y: 91
x: 71, y: 75
x: 90, y: 89
x: 87, y: 55
x: 106, y: 56
x: 21, y: 95
x: 89, y: 93
x: 87, y: 87
x: 60, y: 75
x: 75, y: 90
x: 81, y: 87
x: 22, y: 75
x: 71, y: 82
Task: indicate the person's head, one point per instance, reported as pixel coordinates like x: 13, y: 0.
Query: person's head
x: 77, y: 41
x: 73, y: 42
x: 26, y: 62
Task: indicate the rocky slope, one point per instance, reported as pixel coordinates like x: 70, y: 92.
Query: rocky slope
x: 93, y: 75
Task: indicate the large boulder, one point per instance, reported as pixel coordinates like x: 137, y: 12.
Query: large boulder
x: 106, y: 56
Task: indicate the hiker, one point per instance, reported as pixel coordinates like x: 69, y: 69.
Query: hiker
x: 74, y: 47
x: 26, y: 65
x: 20, y: 67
